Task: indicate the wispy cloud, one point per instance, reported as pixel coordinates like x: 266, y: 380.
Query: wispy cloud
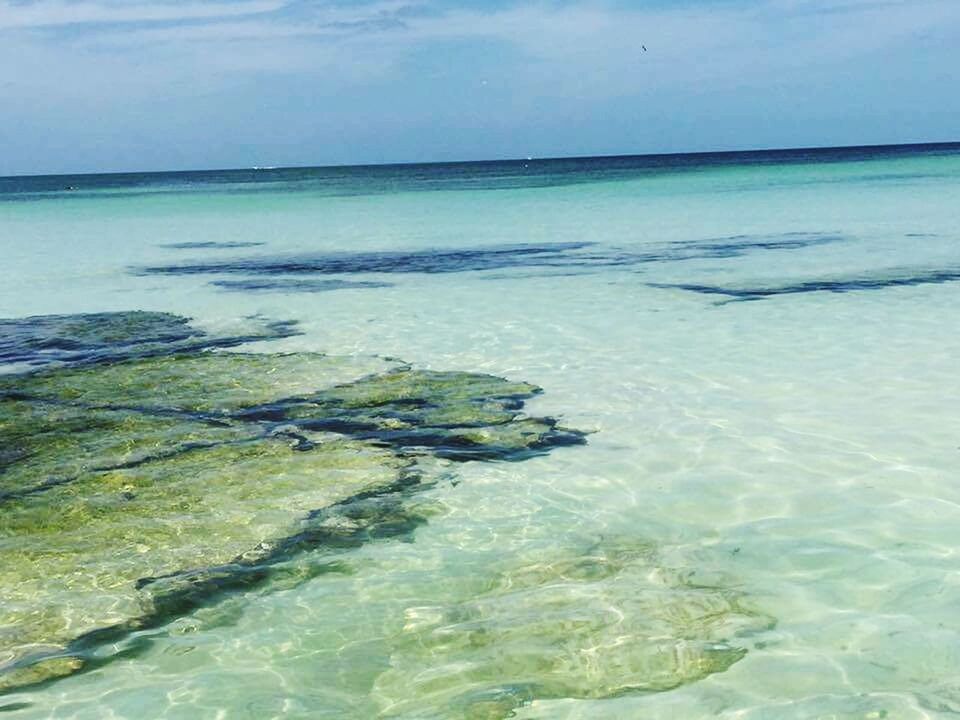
x: 570, y: 31
x: 54, y: 13
x: 269, y: 24
x: 569, y: 52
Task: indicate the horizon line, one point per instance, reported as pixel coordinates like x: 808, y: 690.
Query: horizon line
x: 552, y: 158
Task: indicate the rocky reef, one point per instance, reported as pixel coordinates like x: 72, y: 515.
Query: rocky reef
x: 144, y: 472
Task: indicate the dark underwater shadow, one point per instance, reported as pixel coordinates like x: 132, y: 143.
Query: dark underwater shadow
x: 270, y: 272
x: 854, y: 283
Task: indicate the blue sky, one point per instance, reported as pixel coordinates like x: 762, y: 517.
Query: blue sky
x: 110, y: 85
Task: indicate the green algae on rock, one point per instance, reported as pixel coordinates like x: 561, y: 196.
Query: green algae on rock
x: 45, y: 444
x: 210, y: 384
x: 107, y: 530
x: 457, y: 415
x: 589, y: 625
x: 142, y: 475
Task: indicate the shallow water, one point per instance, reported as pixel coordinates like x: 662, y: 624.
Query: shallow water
x: 786, y: 461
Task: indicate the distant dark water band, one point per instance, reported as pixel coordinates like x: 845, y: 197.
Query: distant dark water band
x: 477, y: 175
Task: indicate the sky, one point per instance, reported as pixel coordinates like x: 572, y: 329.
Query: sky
x: 130, y: 85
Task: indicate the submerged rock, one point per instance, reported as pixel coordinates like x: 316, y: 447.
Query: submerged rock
x: 456, y: 415
x: 43, y: 444
x: 105, y: 531
x: 153, y: 475
x: 201, y: 383
x: 593, y: 624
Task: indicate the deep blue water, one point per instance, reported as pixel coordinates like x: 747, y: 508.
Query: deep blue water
x: 477, y: 175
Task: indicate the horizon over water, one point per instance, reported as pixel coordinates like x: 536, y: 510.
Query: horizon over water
x: 813, y: 153
x: 760, y: 521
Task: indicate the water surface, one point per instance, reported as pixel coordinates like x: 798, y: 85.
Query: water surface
x: 763, y: 347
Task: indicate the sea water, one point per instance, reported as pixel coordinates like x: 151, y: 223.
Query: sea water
x: 763, y: 347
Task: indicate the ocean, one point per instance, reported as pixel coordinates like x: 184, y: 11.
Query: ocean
x: 744, y: 504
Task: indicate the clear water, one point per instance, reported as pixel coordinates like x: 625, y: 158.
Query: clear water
x: 798, y: 448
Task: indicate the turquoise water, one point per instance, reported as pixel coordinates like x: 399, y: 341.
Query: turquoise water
x: 762, y: 346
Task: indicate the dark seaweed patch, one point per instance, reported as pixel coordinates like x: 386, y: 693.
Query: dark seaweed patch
x: 25, y: 339
x: 737, y: 245
x: 11, y: 707
x: 209, y: 245
x: 719, y: 248
x: 840, y: 285
x: 564, y: 256
x: 115, y: 336
x: 418, y: 261
x: 449, y: 445
x: 293, y: 285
